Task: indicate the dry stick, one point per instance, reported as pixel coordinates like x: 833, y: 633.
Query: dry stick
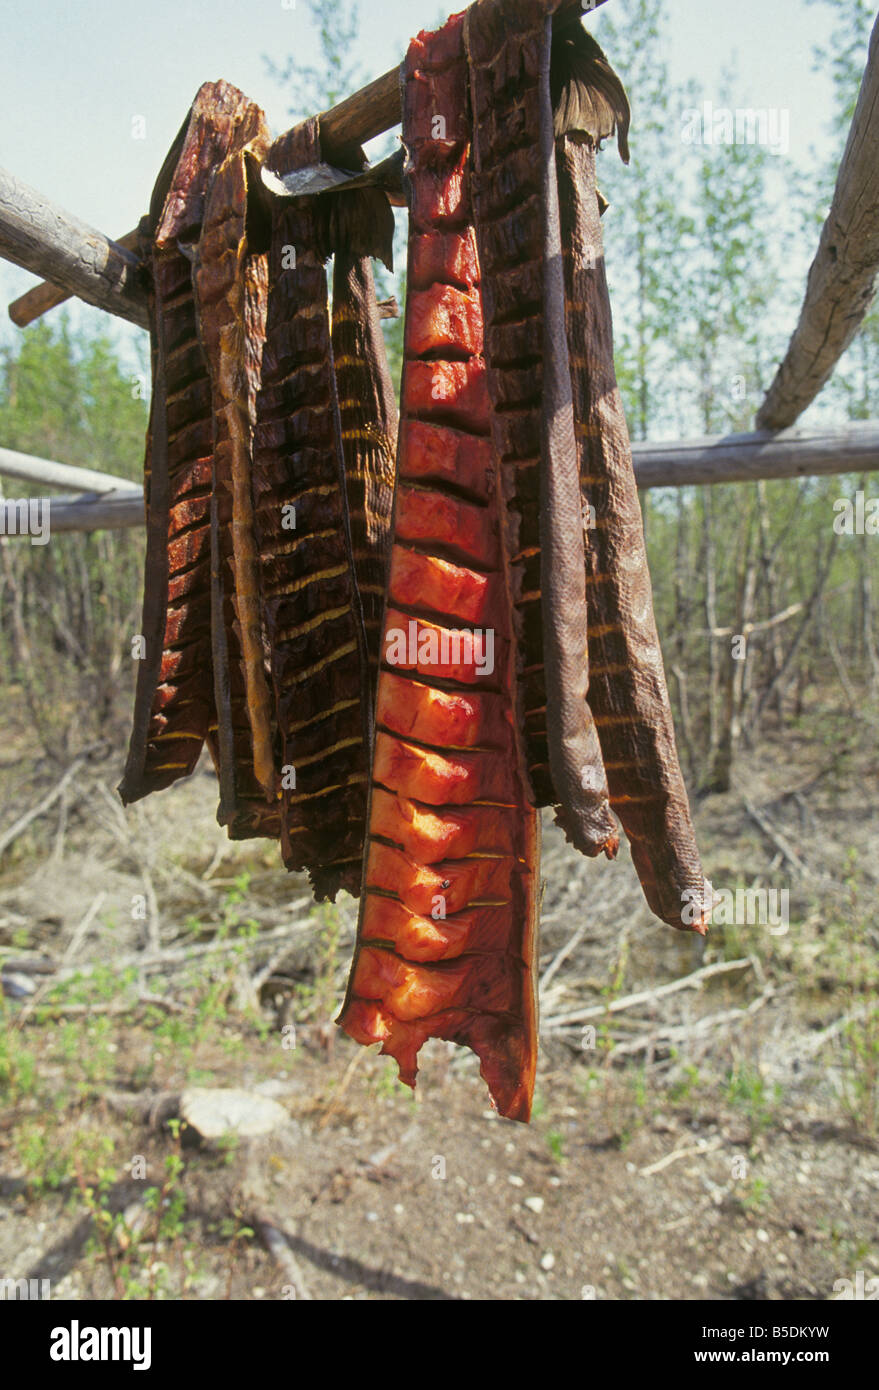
x: 81, y: 931
x: 647, y: 996
x: 686, y: 1032
x: 692, y: 1151
x: 12, y: 834
x: 45, y: 296
x: 381, y: 1156
x: 342, y: 1087
x: 818, y: 1040
x: 781, y: 844
x: 560, y: 957
x: 180, y: 955
x: 79, y: 934
x: 811, y: 605
x: 848, y: 688
x: 748, y: 629
x: 153, y: 924
x: 275, y: 1241
x: 56, y: 1011
x: 47, y: 473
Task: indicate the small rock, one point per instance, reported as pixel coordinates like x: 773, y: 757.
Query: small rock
x: 215, y: 1113
x: 548, y: 1261
x: 464, y: 1218
x: 515, y: 1181
x: 763, y: 1236
x: 534, y: 1204
x: 17, y: 986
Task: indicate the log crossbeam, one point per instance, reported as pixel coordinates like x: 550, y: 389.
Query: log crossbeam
x: 733, y: 458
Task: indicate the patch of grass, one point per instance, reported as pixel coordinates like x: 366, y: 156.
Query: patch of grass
x: 748, y: 1090
x: 755, y: 1196
x: 684, y: 1085
x: 555, y: 1142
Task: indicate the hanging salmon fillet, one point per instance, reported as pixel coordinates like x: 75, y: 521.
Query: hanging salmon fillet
x: 361, y: 225
x: 312, y: 610
x: 174, y: 703
x: 519, y: 244
x: 447, y: 930
x: 231, y: 290
x: 627, y: 682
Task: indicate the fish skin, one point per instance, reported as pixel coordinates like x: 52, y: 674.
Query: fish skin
x: 369, y: 423
x: 168, y: 733
x: 312, y: 608
x: 628, y: 691
x: 518, y: 242
x: 231, y: 287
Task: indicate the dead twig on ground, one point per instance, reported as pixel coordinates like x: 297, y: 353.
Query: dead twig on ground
x: 46, y: 802
x: 779, y: 841
x: 274, y: 1240
x: 627, y: 1001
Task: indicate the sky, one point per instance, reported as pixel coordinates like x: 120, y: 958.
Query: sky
x: 79, y: 81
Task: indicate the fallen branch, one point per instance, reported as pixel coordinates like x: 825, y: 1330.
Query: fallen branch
x: 692, y: 1151
x: 667, y: 1036
x: 45, y: 803
x: 560, y: 957
x: 180, y: 955
x: 814, y: 1044
x: 779, y: 841
x: 694, y: 980
x: 275, y: 1242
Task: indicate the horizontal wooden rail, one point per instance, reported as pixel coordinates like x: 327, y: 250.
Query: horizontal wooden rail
x: 47, y: 473
x: 739, y: 458
x: 734, y: 458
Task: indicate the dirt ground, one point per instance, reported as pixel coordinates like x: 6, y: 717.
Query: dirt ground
x: 711, y: 1142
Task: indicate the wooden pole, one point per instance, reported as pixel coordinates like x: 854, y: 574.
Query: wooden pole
x: 48, y: 473
x: 43, y: 297
x: 45, y: 239
x: 739, y: 458
x: 841, y: 281
x: 685, y: 463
